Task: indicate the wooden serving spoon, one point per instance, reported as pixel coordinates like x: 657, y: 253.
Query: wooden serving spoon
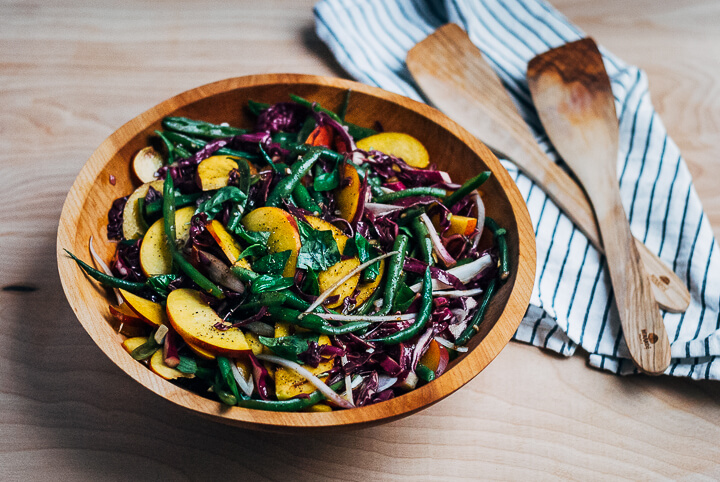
x: 572, y: 94
x: 455, y: 77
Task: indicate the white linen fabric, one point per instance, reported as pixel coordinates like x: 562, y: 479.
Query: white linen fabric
x: 572, y: 300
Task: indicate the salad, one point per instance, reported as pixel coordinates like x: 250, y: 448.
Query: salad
x: 307, y: 264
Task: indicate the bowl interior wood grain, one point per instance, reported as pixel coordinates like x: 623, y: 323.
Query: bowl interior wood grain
x: 451, y: 147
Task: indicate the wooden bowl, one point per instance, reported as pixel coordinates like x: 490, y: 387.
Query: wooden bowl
x: 450, y: 146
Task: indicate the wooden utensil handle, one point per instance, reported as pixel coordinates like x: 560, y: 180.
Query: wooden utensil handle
x: 667, y: 288
x: 642, y: 324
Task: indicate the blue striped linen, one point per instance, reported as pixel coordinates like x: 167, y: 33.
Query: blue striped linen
x: 572, y: 300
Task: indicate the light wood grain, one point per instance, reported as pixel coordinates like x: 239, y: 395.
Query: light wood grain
x: 72, y: 72
x: 452, y: 73
x: 571, y: 91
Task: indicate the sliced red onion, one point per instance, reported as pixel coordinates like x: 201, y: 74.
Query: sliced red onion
x: 342, y: 280
x: 416, y: 266
x: 420, y: 346
x: 170, y: 352
x: 438, y: 246
x: 218, y: 272
x: 105, y: 268
x: 244, y: 381
x: 480, y: 206
x: 379, y: 209
x: 348, y: 381
x: 464, y: 273
x: 305, y: 373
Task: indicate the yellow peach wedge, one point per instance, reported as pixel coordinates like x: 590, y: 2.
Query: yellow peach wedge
x: 195, y: 321
x: 148, y: 311
x: 133, y: 222
x: 289, y: 384
x: 397, y: 144
x: 131, y: 343
x: 283, y: 231
x: 348, y: 196
x: 155, y: 257
x: 158, y: 365
x: 214, y: 172
x: 227, y: 243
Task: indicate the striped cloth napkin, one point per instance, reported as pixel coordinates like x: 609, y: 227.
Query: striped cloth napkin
x: 572, y: 300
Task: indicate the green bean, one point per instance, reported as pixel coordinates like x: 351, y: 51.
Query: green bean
x: 344, y: 106
x: 369, y: 303
x: 304, y: 200
x: 425, y: 243
x: 171, y: 148
x: 195, y: 144
x: 257, y: 107
x: 424, y: 373
x: 410, y: 192
x: 469, y: 186
x: 395, y: 270
x: 501, y: 241
x: 243, y: 274
x: 287, y: 185
x: 227, y: 375
x: 192, y: 127
x: 236, y: 213
x: 313, y: 322
x: 181, y: 200
x: 292, y: 405
x: 420, y: 320
x: 105, y: 279
x: 479, y: 314
x: 325, y: 153
x: 355, y: 131
x: 170, y: 233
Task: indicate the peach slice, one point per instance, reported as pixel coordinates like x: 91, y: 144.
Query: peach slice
x: 436, y: 358
x: 289, y: 384
x: 133, y: 224
x: 195, y: 321
x: 397, y: 144
x: 283, y: 231
x: 348, y: 196
x: 131, y: 343
x: 148, y: 311
x: 146, y: 163
x: 461, y: 225
x: 213, y: 172
x: 200, y: 352
x: 155, y: 257
x: 158, y: 365
x: 227, y: 243
x: 124, y: 314
x: 365, y: 290
x: 328, y: 277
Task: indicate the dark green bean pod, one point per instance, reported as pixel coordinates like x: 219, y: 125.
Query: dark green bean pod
x: 181, y: 200
x: 420, y: 320
x: 501, y: 242
x: 424, y: 242
x: 355, y: 131
x: 469, y: 186
x: 410, y: 192
x: 424, y: 373
x: 292, y: 405
x: 287, y: 185
x: 170, y: 233
x: 395, y: 270
x: 194, y: 143
x: 479, y: 314
x: 107, y: 280
x: 238, y: 209
x: 193, y: 127
x: 304, y: 200
x: 227, y: 375
x: 313, y: 322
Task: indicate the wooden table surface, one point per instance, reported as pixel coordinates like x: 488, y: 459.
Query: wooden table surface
x: 71, y: 72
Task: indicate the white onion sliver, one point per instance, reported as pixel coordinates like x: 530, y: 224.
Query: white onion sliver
x: 104, y: 267
x: 385, y: 382
x: 450, y: 345
x: 379, y: 209
x: 480, y: 206
x: 246, y: 385
x: 464, y: 273
x: 438, y: 246
x: 305, y: 373
x: 458, y: 293
x: 370, y: 318
x: 348, y: 381
x: 325, y: 294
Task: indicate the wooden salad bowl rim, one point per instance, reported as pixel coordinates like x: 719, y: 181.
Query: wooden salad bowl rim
x: 85, y: 211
